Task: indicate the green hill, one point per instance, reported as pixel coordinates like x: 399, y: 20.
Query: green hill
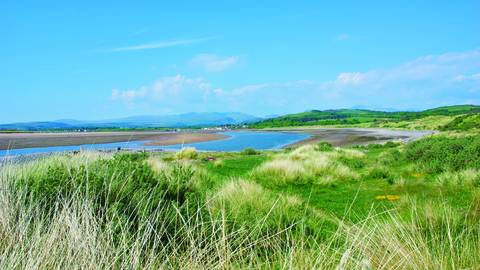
x: 430, y: 119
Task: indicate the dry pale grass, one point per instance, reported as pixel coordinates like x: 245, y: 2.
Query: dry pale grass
x: 307, y: 164
x: 73, y: 235
x: 218, y: 163
x: 186, y: 153
x: 467, y: 177
x: 281, y: 172
x: 239, y: 193
x: 158, y: 165
x: 40, y: 167
x: 390, y: 242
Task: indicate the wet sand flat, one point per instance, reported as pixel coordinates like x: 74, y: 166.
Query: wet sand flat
x: 336, y: 136
x: 350, y: 136
x: 184, y: 138
x: 160, y: 138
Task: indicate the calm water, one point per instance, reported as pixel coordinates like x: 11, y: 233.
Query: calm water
x: 238, y: 141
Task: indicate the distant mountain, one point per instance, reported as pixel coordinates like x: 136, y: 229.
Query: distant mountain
x: 35, y: 125
x: 382, y: 109
x: 181, y: 120
x: 272, y: 116
x: 70, y: 121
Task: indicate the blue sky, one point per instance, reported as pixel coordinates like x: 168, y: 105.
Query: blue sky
x: 89, y: 60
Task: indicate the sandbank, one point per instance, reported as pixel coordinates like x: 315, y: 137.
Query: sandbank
x: 349, y: 136
x: 158, y: 138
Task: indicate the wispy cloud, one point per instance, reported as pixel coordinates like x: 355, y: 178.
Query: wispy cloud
x: 158, y: 45
x: 421, y: 83
x: 212, y: 62
x: 167, y: 91
x: 342, y: 37
x: 473, y: 77
x: 127, y: 95
x: 138, y: 32
x: 347, y: 37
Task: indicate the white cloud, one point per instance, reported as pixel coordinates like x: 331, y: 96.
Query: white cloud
x: 176, y: 89
x: 473, y: 77
x: 172, y: 92
x: 127, y: 95
x: 347, y: 78
x: 138, y: 32
x: 425, y: 82
x: 415, y: 84
x: 212, y: 62
x: 342, y: 37
x: 157, y: 45
x: 472, y: 101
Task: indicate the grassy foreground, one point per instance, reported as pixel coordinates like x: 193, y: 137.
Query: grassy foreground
x: 414, y: 206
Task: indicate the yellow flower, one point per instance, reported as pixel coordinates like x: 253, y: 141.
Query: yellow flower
x: 419, y: 174
x: 388, y: 197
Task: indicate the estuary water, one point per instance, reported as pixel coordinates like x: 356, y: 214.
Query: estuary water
x: 237, y: 142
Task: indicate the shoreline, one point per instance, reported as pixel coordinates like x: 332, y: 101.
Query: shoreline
x: 336, y: 136
x: 157, y: 138
x: 184, y: 138
x: 340, y: 137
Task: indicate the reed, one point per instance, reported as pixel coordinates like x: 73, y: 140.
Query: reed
x: 240, y: 224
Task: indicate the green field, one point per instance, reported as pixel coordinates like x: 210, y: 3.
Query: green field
x: 414, y: 206
x: 429, y: 119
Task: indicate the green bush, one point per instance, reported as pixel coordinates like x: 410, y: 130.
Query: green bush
x: 374, y: 146
x: 324, y: 147
x: 130, y: 187
x: 378, y: 172
x: 462, y: 123
x: 356, y: 147
x: 438, y: 154
x: 354, y: 163
x: 390, y: 144
x: 249, y: 151
x: 395, y: 154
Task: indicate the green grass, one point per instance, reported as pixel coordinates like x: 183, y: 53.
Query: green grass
x: 234, y: 167
x: 313, y: 207
x: 429, y: 119
x: 455, y: 108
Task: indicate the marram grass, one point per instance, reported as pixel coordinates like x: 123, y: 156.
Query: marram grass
x: 238, y: 225
x: 306, y: 165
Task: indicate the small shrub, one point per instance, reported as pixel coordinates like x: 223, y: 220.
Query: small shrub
x: 390, y: 144
x: 324, y: 147
x: 378, y: 172
x: 356, y: 147
x: 395, y: 154
x: 374, y: 146
x: 249, y: 151
x: 439, y: 154
x: 390, y: 180
x: 353, y: 163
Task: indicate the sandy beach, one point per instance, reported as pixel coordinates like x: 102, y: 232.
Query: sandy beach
x: 160, y: 138
x: 337, y: 137
x: 349, y: 136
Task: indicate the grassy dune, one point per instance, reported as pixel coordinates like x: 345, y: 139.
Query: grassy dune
x: 374, y: 207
